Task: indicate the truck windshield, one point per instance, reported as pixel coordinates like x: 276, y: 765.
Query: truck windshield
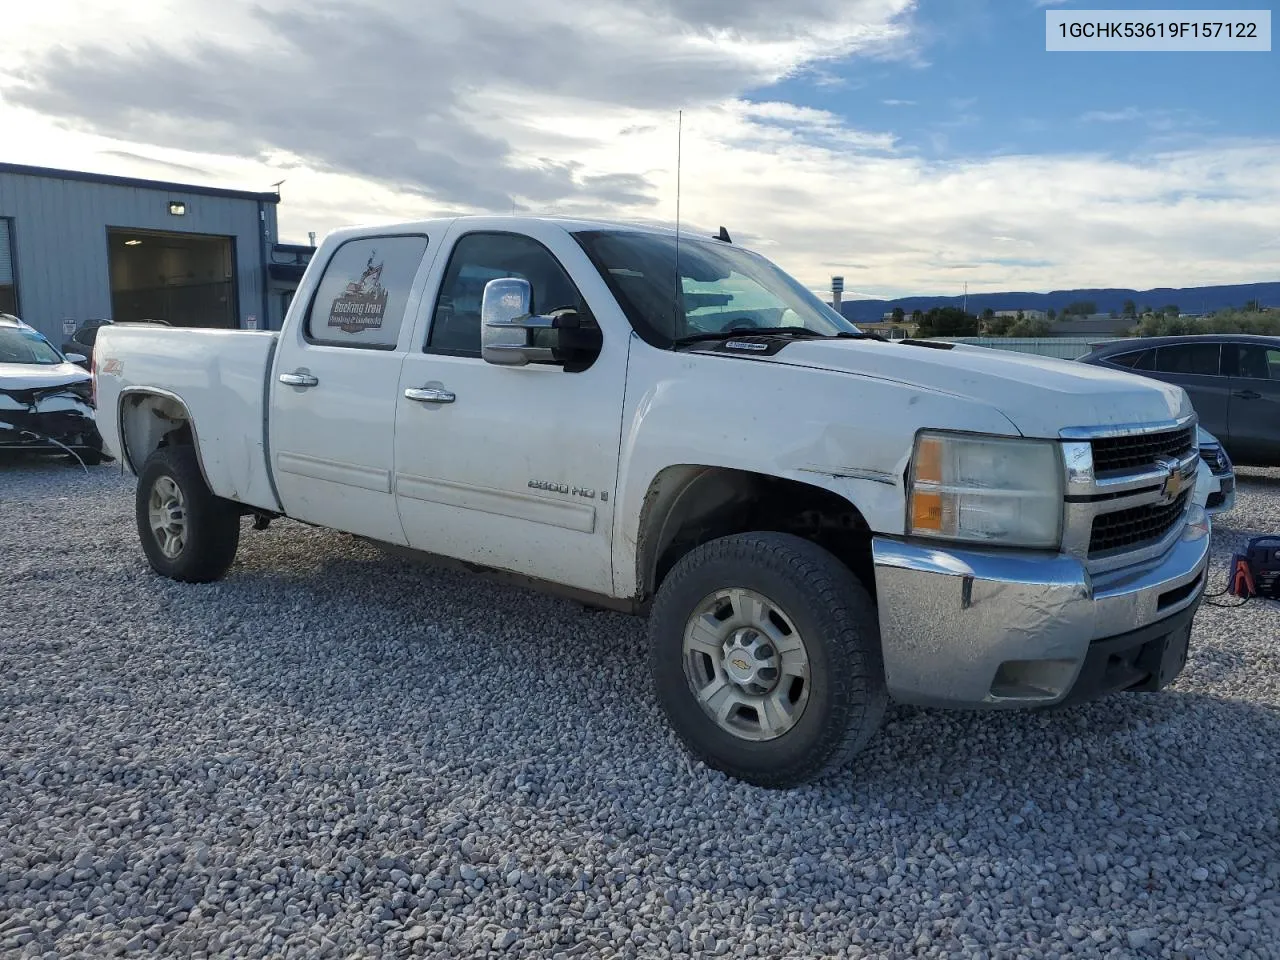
x: 25, y: 346
x: 723, y: 290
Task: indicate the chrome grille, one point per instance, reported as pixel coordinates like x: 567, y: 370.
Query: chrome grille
x: 1136, y: 526
x: 1215, y: 458
x: 1118, y: 511
x: 1141, y: 450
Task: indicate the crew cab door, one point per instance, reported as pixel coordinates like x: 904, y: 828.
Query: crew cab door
x: 511, y: 467
x: 1253, y: 432
x: 333, y: 389
x: 1197, y: 368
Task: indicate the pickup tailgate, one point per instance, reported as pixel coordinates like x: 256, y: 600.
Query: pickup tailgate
x: 218, y: 376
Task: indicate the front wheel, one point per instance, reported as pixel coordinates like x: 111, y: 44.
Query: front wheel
x: 187, y: 532
x: 765, y: 658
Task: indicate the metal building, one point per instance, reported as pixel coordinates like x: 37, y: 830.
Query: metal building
x: 78, y: 246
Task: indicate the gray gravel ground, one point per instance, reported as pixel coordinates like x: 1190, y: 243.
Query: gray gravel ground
x: 334, y: 753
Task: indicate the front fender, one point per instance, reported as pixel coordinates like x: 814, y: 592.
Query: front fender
x: 851, y: 435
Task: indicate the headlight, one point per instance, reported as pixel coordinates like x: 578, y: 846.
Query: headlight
x: 987, y: 489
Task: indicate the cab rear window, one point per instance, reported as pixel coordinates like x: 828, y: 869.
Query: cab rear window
x: 363, y: 292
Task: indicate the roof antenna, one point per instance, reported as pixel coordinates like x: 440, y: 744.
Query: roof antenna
x: 676, y: 291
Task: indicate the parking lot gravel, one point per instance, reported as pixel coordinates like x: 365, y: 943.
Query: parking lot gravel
x: 335, y: 752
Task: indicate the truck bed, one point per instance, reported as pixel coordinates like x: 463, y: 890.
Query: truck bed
x: 220, y: 376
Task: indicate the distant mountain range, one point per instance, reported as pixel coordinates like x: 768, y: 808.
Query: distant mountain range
x: 1187, y: 299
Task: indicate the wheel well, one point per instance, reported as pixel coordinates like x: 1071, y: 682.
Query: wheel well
x: 149, y: 421
x: 689, y: 506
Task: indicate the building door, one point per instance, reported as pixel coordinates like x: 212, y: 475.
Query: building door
x: 8, y: 278
x: 184, y: 279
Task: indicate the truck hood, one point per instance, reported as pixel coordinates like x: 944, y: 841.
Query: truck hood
x: 35, y: 376
x: 1039, y: 395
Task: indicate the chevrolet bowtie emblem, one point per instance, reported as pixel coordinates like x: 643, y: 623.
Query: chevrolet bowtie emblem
x: 1173, y: 483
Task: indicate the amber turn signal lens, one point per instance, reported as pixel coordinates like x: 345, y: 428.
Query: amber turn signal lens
x: 926, y: 511
x: 929, y: 460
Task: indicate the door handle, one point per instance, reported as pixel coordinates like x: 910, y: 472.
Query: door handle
x: 1247, y: 395
x: 299, y: 379
x: 430, y: 395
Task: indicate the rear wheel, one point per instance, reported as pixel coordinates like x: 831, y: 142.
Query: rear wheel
x: 187, y: 532
x: 765, y: 657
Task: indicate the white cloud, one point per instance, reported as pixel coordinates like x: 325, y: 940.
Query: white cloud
x: 385, y: 110
x: 1126, y: 115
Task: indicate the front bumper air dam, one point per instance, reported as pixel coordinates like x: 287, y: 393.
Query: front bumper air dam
x: 986, y: 629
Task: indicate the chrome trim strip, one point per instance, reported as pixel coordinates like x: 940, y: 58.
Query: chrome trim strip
x: 1118, y: 481
x: 1125, y: 429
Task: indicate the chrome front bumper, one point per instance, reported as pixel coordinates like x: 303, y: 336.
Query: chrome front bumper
x: 974, y: 628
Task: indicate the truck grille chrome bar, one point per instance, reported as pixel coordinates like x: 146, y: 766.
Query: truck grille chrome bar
x: 1140, y: 451
x: 1128, y: 491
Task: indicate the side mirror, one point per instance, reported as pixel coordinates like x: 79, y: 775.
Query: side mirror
x: 511, y: 336
x: 78, y: 358
x: 505, y: 325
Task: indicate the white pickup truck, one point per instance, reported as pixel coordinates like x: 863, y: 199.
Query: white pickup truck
x: 815, y: 520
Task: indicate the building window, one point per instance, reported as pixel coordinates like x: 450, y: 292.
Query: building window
x: 8, y: 278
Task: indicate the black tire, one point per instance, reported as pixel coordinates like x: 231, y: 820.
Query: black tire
x: 212, y: 524
x: 837, y: 620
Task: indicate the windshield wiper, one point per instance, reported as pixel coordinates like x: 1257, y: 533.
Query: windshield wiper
x: 766, y: 332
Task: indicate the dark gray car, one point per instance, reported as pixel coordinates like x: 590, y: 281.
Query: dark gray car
x: 1233, y: 380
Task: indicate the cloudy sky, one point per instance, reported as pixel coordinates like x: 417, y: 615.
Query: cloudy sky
x: 910, y: 145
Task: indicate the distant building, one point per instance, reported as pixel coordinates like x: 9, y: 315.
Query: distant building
x: 1025, y: 314
x: 889, y: 328
x: 78, y: 246
x: 1094, y: 325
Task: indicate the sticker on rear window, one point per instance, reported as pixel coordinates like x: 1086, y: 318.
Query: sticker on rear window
x: 363, y: 302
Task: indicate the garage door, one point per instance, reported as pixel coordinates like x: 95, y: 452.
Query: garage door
x: 8, y: 285
x: 184, y: 279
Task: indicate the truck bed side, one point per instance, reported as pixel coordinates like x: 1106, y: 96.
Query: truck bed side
x: 150, y: 378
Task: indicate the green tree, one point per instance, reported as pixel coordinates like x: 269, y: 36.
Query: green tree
x: 917, y: 316
x: 1147, y: 311
x: 1029, y: 328
x: 948, y: 322
x: 899, y: 314
x: 998, y: 326
x: 988, y: 314
x: 1052, y: 314
x: 1080, y: 308
x: 1130, y: 310
x: 1172, y: 310
x: 1244, y: 321
x: 1154, y: 325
